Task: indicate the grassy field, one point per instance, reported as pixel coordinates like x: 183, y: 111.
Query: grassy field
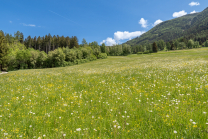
x: 162, y: 95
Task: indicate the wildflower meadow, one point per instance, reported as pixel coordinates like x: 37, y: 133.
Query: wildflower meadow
x: 159, y: 95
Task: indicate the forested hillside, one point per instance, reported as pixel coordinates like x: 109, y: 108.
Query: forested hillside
x: 191, y: 26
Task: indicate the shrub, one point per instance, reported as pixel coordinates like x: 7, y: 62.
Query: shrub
x: 146, y: 52
x: 139, y: 53
x: 102, y: 56
x: 70, y: 55
x: 92, y: 57
x: 42, y: 57
x: 56, y: 58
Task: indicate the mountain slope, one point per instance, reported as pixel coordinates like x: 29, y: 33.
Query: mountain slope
x: 188, y: 25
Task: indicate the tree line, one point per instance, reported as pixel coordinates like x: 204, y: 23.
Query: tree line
x: 45, y: 52
x: 161, y: 45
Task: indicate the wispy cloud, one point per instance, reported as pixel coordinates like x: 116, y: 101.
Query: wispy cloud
x: 63, y: 17
x: 30, y: 25
x: 194, y: 3
x: 10, y: 21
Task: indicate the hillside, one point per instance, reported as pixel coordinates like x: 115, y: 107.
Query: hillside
x: 191, y: 25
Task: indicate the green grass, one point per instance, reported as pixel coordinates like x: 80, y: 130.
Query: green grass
x: 137, y: 96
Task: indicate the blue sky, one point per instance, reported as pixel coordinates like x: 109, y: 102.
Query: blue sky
x: 108, y: 21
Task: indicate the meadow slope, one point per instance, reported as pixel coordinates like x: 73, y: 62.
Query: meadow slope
x: 162, y: 95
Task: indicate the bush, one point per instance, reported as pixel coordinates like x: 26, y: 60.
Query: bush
x: 85, y: 53
x: 56, y: 58
x: 67, y: 64
x: 41, y: 60
x: 146, y: 52
x: 102, y: 56
x: 79, y: 54
x: 139, y: 53
x: 92, y: 57
x: 33, y: 58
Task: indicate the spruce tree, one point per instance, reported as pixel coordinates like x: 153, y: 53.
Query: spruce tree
x: 154, y: 47
x: 172, y: 46
x: 3, y: 49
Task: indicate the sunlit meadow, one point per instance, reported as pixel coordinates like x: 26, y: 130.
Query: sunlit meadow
x: 162, y: 95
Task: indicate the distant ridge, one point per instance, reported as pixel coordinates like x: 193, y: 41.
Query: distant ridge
x: 190, y: 25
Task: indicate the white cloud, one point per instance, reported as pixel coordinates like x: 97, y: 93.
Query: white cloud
x: 193, y: 12
x: 143, y: 22
x: 178, y: 14
x: 126, y: 35
x: 10, y: 21
x: 157, y: 22
x: 30, y: 25
x: 194, y: 3
x: 109, y: 42
x: 121, y: 36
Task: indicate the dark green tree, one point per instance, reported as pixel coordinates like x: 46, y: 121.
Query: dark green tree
x: 3, y: 49
x: 168, y: 46
x: 103, y: 48
x: 74, y: 42
x: 154, y: 47
x: 172, y: 46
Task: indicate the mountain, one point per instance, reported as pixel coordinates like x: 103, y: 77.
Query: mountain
x: 190, y: 26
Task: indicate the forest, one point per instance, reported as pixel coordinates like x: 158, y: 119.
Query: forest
x: 45, y: 52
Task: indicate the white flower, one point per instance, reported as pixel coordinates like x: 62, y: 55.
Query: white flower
x: 114, y: 126
x: 204, y: 112
x: 194, y: 123
x: 119, y: 127
x: 174, y: 131
x: 64, y: 135
x: 78, y: 129
x: 127, y: 123
x: 44, y: 135
x: 167, y: 115
x: 59, y: 117
x: 30, y: 126
x: 5, y: 134
x: 92, y: 116
x: 191, y: 120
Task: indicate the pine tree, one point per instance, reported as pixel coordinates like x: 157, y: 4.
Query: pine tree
x: 74, y: 42
x: 154, y: 47
x: 3, y: 49
x: 172, y: 46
